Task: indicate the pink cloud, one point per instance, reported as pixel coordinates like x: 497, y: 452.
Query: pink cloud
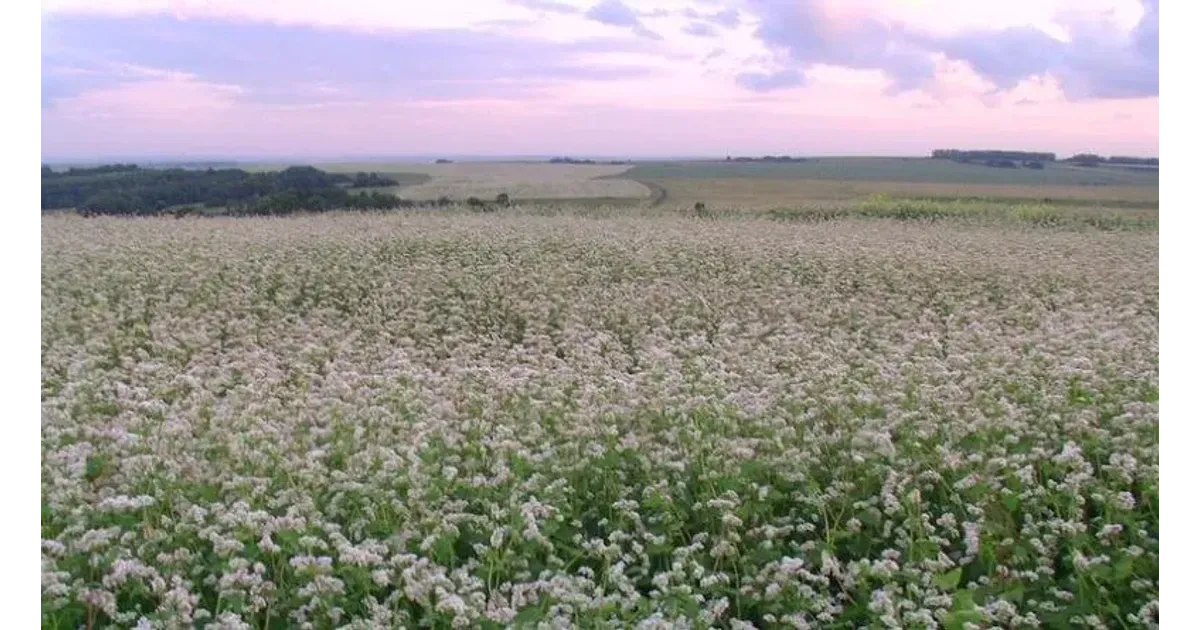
x: 821, y: 123
x: 244, y: 78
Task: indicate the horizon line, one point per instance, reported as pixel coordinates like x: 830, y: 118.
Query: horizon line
x: 341, y: 159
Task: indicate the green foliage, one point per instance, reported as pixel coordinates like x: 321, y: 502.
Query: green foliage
x: 881, y: 206
x: 893, y: 169
x: 949, y: 580
x: 129, y: 190
x: 372, y: 180
x: 991, y: 154
x: 741, y: 422
x: 1085, y: 159
x: 478, y: 205
x: 76, y: 171
x: 95, y: 467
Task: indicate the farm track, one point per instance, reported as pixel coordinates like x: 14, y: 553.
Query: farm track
x: 658, y: 194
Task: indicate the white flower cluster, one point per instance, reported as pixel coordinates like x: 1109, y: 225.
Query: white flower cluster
x: 365, y: 421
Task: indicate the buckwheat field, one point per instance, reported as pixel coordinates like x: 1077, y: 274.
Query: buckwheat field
x: 422, y: 420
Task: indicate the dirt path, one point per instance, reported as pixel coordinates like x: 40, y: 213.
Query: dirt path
x: 658, y: 194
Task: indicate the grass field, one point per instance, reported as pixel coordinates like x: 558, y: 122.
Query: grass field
x: 525, y: 181
x: 831, y: 181
x: 895, y: 169
x: 444, y: 419
x: 759, y: 192
x: 822, y: 181
x: 485, y: 180
x: 761, y: 185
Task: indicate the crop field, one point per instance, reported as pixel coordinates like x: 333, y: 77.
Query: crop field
x: 757, y: 192
x: 422, y: 419
x: 525, y: 181
x: 485, y: 180
x: 897, y: 169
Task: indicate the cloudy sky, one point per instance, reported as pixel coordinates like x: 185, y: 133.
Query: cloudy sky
x: 596, y: 77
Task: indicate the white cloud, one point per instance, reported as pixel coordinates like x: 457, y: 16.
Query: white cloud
x: 947, y: 17
x: 934, y: 16
x: 356, y: 14
x: 688, y: 82
x: 171, y: 98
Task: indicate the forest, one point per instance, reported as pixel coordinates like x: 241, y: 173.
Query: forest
x: 127, y: 189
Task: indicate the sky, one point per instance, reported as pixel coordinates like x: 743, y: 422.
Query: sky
x: 622, y: 78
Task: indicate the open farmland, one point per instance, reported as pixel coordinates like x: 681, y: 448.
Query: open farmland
x: 751, y: 185
x: 750, y: 193
x: 419, y: 419
x: 900, y: 169
x: 526, y: 181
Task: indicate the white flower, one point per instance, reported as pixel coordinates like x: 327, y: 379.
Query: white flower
x: 483, y: 413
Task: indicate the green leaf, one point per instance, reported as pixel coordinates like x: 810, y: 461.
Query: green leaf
x: 924, y: 549
x: 1014, y: 594
x: 964, y: 601
x: 948, y: 580
x: 957, y: 620
x: 443, y: 549
x: 963, y: 612
x: 95, y: 467
x: 528, y: 617
x: 1123, y: 568
x: 871, y: 517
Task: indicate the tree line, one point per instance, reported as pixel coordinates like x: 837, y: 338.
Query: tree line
x: 569, y: 160
x: 76, y: 171
x: 1092, y: 159
x: 128, y: 189
x: 992, y: 154
x: 765, y: 158
x: 995, y: 157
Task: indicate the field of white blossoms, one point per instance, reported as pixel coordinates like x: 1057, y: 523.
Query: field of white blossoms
x: 507, y: 421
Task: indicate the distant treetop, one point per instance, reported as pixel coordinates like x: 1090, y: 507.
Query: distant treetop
x: 1082, y: 159
x: 991, y: 154
x: 127, y: 189
x: 567, y: 160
